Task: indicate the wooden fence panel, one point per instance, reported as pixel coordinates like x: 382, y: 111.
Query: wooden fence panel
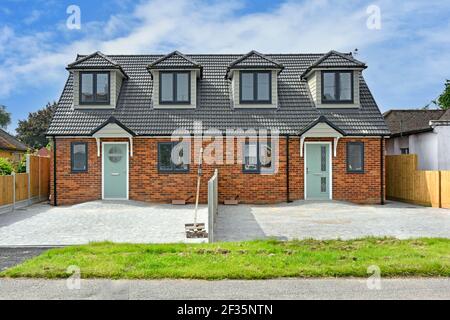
x: 34, y: 175
x: 21, y: 186
x: 44, y: 187
x: 405, y: 183
x: 33, y: 185
x: 445, y: 189
x: 6, y: 190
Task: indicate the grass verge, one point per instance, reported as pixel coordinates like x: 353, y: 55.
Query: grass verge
x: 244, y: 260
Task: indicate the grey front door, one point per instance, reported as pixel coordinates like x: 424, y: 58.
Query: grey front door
x: 115, y: 171
x: 317, y: 171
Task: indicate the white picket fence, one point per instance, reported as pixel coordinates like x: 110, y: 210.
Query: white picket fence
x: 213, y: 204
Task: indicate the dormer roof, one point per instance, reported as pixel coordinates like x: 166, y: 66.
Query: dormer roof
x: 96, y: 60
x: 175, y: 60
x: 334, y: 59
x: 254, y: 60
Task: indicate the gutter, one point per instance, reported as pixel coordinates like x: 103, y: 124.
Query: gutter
x: 55, y: 201
x: 382, y: 169
x: 287, y: 170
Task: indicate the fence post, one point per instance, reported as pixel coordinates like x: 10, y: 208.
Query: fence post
x: 29, y: 177
x: 439, y: 189
x: 13, y: 174
x: 39, y: 178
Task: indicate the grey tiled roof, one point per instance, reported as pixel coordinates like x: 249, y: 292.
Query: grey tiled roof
x: 214, y: 105
x: 411, y: 121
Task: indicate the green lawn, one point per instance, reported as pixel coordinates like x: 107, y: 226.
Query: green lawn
x: 244, y: 260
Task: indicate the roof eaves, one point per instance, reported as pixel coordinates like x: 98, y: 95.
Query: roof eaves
x: 410, y: 132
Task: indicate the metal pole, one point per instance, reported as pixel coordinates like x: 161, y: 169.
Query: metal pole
x: 199, y: 175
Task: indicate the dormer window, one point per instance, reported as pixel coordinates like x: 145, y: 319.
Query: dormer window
x: 175, y: 87
x: 337, y: 87
x: 94, y: 88
x: 255, y: 87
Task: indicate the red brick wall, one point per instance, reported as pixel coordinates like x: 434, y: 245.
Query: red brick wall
x: 147, y: 184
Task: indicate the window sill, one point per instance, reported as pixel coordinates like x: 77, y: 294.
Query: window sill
x: 172, y: 172
x: 94, y: 106
x: 255, y: 106
x: 338, y: 106
x: 174, y: 106
x: 356, y: 172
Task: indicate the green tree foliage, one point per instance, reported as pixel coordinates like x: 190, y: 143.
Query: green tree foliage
x: 32, y: 131
x: 444, y: 99
x: 5, y: 117
x: 6, y: 167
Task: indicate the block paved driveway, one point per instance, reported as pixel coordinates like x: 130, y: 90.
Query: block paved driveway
x: 330, y: 220
x: 135, y: 222
x: 117, y: 221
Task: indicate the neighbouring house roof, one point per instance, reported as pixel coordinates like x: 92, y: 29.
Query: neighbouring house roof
x: 334, y: 59
x: 43, y: 152
x: 445, y: 116
x: 295, y: 109
x: 406, y: 122
x: 8, y: 142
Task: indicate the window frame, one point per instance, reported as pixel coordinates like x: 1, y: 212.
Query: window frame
x: 173, y: 167
x: 337, y: 81
x: 94, y: 89
x: 258, y: 157
x: 362, y: 157
x: 255, y: 87
x: 72, y: 146
x: 174, y: 87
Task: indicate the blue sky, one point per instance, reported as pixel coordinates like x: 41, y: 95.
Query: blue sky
x: 408, y: 57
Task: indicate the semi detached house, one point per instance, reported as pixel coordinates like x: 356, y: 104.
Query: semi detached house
x: 112, y: 130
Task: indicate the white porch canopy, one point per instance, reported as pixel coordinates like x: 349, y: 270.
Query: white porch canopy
x: 112, y: 128
x: 321, y: 128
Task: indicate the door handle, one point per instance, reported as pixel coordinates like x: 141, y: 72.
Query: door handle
x: 115, y: 174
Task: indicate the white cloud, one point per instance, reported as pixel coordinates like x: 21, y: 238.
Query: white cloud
x: 194, y: 26
x: 33, y: 17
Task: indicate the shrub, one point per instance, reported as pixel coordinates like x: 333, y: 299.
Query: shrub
x: 21, y: 166
x: 6, y: 167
